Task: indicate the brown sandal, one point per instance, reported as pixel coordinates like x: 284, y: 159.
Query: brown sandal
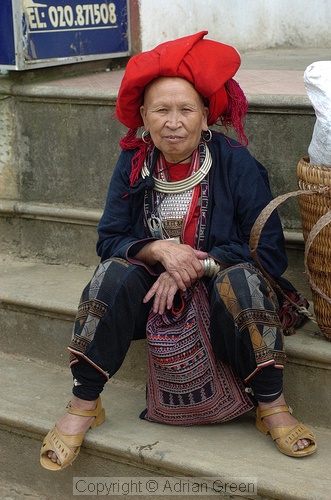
x: 288, y: 435
x: 64, y: 444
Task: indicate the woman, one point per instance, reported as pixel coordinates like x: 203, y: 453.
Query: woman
x: 180, y: 208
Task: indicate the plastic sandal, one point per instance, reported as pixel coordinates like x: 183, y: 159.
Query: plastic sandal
x: 288, y: 435
x: 65, y: 444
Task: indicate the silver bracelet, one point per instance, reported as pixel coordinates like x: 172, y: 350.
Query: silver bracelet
x: 210, y: 267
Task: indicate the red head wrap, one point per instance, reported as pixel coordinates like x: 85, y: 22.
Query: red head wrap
x: 207, y: 64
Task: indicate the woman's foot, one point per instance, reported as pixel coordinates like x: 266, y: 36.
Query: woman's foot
x: 282, y: 419
x: 72, y: 426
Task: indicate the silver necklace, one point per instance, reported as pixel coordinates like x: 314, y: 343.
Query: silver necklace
x: 184, y: 185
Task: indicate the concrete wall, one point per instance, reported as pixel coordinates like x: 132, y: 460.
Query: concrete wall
x: 9, y: 177
x: 58, y: 148
x: 247, y: 24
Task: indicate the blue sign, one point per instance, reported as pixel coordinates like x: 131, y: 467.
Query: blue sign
x: 7, y: 44
x: 62, y: 31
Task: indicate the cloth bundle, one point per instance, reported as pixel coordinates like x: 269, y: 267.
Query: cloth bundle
x: 317, y: 79
x: 186, y: 384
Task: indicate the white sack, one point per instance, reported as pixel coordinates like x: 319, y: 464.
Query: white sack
x: 317, y: 79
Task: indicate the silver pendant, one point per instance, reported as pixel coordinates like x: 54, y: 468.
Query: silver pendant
x: 155, y: 226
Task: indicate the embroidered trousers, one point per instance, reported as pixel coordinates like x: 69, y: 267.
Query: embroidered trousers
x: 245, y: 329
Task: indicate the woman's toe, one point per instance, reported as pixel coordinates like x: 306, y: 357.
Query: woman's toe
x: 301, y: 444
x: 52, y: 456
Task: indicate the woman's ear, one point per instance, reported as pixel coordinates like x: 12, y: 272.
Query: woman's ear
x: 143, y: 115
x: 205, y: 118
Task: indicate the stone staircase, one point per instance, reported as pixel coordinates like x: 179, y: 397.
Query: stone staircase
x: 58, y: 146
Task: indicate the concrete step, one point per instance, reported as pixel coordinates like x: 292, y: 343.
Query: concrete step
x: 62, y: 235
x: 15, y: 491
x: 59, y: 146
x: 37, y: 309
x: 49, y: 232
x: 53, y: 187
x: 38, y: 304
x: 34, y: 395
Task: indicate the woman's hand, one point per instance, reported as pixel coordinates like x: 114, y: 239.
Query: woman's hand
x: 182, y: 262
x: 163, y: 291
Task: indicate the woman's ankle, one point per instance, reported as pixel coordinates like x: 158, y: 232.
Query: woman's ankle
x: 280, y: 401
x: 82, y: 404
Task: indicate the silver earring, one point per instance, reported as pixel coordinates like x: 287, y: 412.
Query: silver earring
x: 146, y: 137
x: 206, y: 135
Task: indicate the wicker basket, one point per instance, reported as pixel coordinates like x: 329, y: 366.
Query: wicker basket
x: 312, y: 208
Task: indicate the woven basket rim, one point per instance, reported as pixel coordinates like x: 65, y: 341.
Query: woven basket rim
x: 312, y: 176
x: 305, y: 161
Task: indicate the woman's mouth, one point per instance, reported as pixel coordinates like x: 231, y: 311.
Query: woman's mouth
x: 173, y: 138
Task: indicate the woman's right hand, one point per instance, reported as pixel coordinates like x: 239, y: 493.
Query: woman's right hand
x: 163, y: 290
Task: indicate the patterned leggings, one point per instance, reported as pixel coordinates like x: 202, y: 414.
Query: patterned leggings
x: 245, y: 329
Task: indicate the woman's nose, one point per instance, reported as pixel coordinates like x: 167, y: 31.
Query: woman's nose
x: 173, y: 119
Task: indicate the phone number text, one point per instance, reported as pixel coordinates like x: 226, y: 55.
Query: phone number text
x: 64, y: 17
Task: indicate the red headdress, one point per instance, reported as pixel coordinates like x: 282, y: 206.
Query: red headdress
x: 207, y: 64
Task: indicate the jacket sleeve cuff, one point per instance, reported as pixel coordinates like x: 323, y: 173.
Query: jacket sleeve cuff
x: 134, y: 249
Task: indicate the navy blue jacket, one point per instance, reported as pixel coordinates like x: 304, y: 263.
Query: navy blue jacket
x: 239, y: 190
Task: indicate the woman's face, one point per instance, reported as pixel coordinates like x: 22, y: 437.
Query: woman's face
x: 174, y: 114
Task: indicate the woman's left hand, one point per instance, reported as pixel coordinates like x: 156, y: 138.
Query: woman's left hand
x: 181, y: 261
x: 163, y: 291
